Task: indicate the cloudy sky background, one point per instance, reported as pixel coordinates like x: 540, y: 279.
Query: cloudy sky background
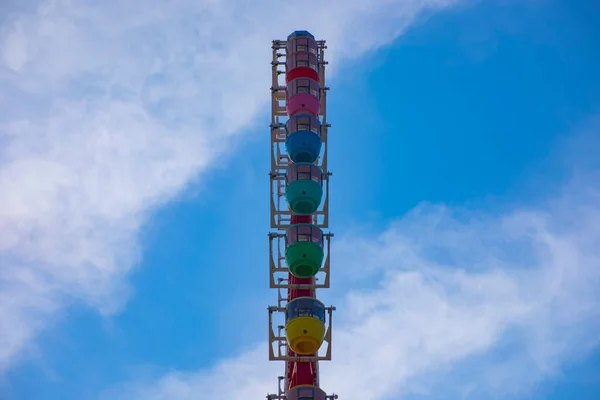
x: 133, y: 198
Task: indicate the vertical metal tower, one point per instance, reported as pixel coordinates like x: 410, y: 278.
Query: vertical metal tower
x: 299, y: 251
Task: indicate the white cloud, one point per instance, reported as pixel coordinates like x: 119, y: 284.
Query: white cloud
x: 108, y: 109
x: 247, y: 376
x: 469, y: 305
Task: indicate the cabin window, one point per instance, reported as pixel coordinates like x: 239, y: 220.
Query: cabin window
x: 304, y: 126
x: 315, y: 125
x: 316, y: 175
x: 290, y: 237
x: 303, y: 123
x: 304, y: 312
x: 306, y: 60
x: 308, y: 123
x: 306, y: 393
x: 314, y: 90
x: 305, y: 307
x: 303, y: 85
x: 304, y: 171
x: 290, y: 175
x: 317, y: 236
x: 302, y: 44
x: 319, y: 311
x: 304, y: 233
x: 299, y: 233
x: 303, y: 120
x: 302, y: 60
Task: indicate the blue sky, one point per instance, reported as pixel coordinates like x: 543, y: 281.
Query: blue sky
x: 464, y: 199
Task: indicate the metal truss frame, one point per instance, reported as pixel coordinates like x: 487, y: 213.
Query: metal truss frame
x: 280, y: 213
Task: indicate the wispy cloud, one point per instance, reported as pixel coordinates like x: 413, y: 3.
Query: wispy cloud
x: 108, y: 109
x: 469, y: 305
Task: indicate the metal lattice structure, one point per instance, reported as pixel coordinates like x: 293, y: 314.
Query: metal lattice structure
x: 299, y: 250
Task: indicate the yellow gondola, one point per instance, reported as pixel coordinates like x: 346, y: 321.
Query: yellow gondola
x: 305, y: 325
